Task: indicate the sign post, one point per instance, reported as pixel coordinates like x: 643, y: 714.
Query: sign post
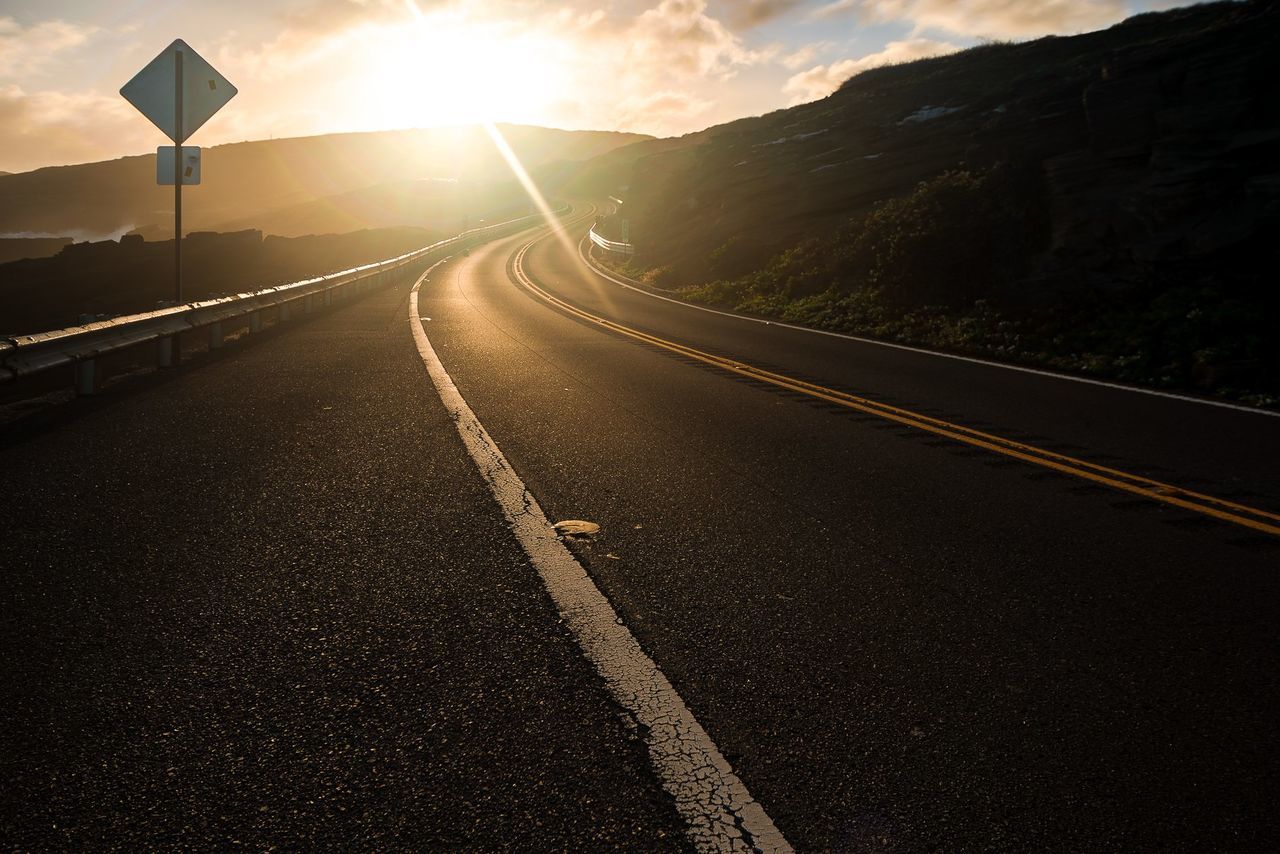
x: 178, y: 91
x: 178, y: 139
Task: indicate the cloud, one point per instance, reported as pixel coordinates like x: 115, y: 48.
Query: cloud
x: 658, y: 66
x: 818, y: 82
x: 579, y: 21
x: 821, y: 80
x: 313, y: 32
x: 646, y: 65
x: 985, y: 18
x: 327, y: 16
x: 660, y: 71
x: 308, y: 35
x: 664, y: 112
x: 753, y: 13
x: 46, y: 128
x: 837, y: 8
x: 804, y: 55
x: 30, y: 50
x: 679, y: 36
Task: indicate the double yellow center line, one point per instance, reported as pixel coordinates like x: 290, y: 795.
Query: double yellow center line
x: 1217, y: 508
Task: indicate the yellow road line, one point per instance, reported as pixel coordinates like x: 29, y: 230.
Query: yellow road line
x: 1208, y: 505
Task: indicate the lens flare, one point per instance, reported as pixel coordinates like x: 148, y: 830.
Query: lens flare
x: 594, y: 283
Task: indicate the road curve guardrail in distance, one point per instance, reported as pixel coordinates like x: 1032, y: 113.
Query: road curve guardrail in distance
x: 611, y: 245
x: 81, y: 346
x: 616, y: 277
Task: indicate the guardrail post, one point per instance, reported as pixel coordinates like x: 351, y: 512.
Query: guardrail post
x: 328, y: 297
x: 307, y: 306
x: 255, y: 322
x: 87, y: 377
x: 283, y: 314
x: 215, y: 335
x: 167, y: 351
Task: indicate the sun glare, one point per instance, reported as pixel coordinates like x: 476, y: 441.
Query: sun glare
x: 442, y: 68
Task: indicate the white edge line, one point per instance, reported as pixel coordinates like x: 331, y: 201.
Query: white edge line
x: 988, y: 362
x: 719, y: 812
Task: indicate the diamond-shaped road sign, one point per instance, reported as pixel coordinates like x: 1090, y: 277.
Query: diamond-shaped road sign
x: 153, y: 91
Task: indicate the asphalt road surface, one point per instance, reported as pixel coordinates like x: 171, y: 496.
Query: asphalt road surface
x: 269, y: 598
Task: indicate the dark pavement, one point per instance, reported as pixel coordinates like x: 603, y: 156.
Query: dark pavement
x: 902, y: 643
x: 1225, y: 451
x: 266, y: 601
x: 268, y: 597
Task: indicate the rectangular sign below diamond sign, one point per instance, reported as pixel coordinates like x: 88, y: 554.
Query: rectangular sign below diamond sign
x: 153, y: 91
x: 190, y: 164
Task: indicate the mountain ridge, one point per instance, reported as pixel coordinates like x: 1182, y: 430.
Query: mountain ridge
x: 244, y: 179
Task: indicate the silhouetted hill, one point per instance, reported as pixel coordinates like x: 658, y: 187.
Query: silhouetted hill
x: 244, y: 180
x: 15, y: 248
x: 445, y: 205
x: 1114, y: 104
x: 1105, y: 202
x: 611, y: 172
x: 133, y: 275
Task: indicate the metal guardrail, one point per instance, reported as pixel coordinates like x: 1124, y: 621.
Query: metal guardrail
x: 611, y: 245
x: 25, y: 355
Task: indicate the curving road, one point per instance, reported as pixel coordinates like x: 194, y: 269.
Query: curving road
x: 271, y: 599
x: 899, y: 640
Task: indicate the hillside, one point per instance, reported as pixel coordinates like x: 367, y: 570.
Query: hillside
x: 133, y: 275
x: 17, y: 248
x: 444, y: 205
x: 249, y: 183
x: 1102, y: 202
x: 611, y: 172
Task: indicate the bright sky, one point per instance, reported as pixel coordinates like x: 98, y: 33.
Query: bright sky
x: 303, y: 67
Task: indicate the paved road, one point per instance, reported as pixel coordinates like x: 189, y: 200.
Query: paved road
x: 901, y: 642
x: 270, y: 599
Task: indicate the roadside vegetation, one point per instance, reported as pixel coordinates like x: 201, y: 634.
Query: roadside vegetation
x: 947, y: 266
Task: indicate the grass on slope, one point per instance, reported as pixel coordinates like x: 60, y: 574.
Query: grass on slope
x: 942, y: 268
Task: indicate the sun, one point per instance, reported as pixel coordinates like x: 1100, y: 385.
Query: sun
x: 443, y: 68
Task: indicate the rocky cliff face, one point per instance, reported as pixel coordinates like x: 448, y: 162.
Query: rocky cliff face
x: 1152, y: 148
